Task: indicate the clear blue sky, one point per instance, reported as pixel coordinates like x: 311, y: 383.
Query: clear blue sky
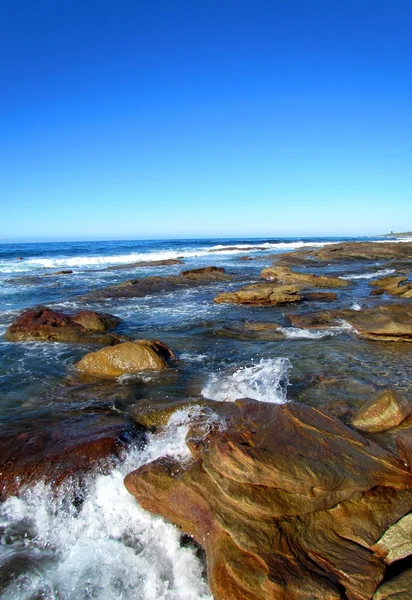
x: 161, y: 118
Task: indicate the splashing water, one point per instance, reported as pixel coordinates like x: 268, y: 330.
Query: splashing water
x: 109, y: 548
x: 266, y: 382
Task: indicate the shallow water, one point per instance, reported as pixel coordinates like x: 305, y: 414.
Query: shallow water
x: 108, y: 547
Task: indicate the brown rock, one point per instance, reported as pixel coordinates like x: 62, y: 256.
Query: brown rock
x: 404, y: 447
x: 383, y: 412
x: 261, y: 294
x: 45, y: 325
x: 146, y: 263
x: 398, y: 588
x: 286, y: 502
x: 396, y: 543
x: 207, y: 274
x: 128, y: 357
x: 350, y: 251
x: 305, y: 280
x: 319, y: 296
x: 392, y: 323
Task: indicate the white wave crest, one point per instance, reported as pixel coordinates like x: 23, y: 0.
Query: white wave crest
x: 371, y: 275
x: 295, y: 333
x: 265, y: 381
x: 109, y: 548
x: 268, y: 246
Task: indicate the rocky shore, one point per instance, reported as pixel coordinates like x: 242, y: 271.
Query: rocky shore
x: 289, y: 501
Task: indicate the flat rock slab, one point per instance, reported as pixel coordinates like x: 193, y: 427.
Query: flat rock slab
x: 392, y: 323
x: 286, y: 501
x: 305, y: 280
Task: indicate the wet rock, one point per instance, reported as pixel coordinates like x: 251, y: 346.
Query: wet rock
x: 207, y: 274
x: 65, y: 272
x: 128, y: 357
x: 252, y: 330
x: 383, y: 412
x: 398, y: 588
x: 396, y: 285
x: 261, y: 294
x: 352, y: 251
x: 304, y: 280
x: 287, y: 502
x: 146, y: 263
x: 396, y: 543
x: 138, y: 288
x: 55, y: 448
x: 404, y: 447
x: 319, y: 296
x: 46, y: 325
x: 392, y: 323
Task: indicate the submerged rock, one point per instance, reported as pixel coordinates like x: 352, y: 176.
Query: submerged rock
x: 384, y: 412
x: 46, y: 325
x: 145, y: 263
x: 287, y: 503
x: 129, y: 357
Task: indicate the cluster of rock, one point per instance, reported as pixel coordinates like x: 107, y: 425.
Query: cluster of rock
x: 286, y: 286
x: 351, y: 251
x: 290, y: 503
x: 396, y: 285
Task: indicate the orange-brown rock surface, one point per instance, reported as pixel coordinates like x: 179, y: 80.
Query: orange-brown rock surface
x: 128, y: 357
x: 305, y: 280
x: 391, y: 323
x: 383, y: 412
x: 46, y: 325
x: 287, y: 502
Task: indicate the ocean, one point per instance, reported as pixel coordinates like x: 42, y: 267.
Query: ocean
x: 96, y: 542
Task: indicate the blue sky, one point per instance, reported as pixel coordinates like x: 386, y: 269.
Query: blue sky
x: 141, y: 119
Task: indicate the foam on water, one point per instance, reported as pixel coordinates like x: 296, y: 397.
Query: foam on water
x: 109, y: 548
x: 93, y: 261
x: 295, y: 333
x: 265, y: 381
x: 371, y: 275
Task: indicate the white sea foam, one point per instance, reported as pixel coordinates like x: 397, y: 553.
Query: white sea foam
x: 86, y: 262
x: 109, y: 548
x: 295, y: 333
x: 356, y: 306
x: 266, y: 381
x: 371, y: 275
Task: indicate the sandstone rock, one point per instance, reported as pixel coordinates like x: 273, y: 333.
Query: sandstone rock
x: 261, y: 294
x: 396, y: 543
x: 392, y: 323
x: 128, y: 357
x: 287, y: 502
x: 404, y: 447
x: 319, y: 296
x: 207, y: 274
x: 40, y: 449
x: 44, y: 324
x: 351, y: 251
x: 305, y: 280
x: 252, y: 330
x: 383, y: 412
x: 398, y: 588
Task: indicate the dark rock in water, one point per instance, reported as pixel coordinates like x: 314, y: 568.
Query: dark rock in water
x: 66, y: 272
x: 137, y: 288
x: 383, y: 412
x: 351, y: 251
x: 319, y: 296
x: 287, y: 503
x: 391, y: 323
x: 46, y: 325
x: 404, y: 447
x: 252, y: 330
x: 207, y: 274
x: 146, y: 263
x: 129, y: 357
x: 52, y: 449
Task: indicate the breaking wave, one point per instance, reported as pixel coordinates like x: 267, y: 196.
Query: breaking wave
x: 295, y: 333
x: 266, y: 381
x: 109, y: 548
x: 372, y: 275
